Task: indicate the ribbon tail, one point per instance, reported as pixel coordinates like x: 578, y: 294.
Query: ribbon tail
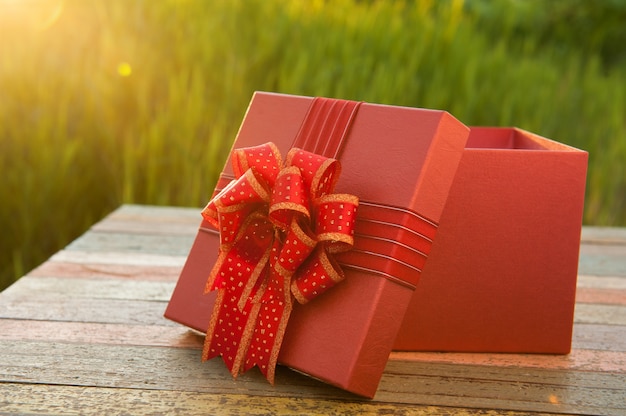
x: 268, y: 337
x: 229, y: 331
x: 274, y: 310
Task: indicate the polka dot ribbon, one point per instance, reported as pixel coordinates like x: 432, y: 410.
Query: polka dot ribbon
x: 280, y: 225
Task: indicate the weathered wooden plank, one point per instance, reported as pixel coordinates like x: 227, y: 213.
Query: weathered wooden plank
x: 118, y: 258
x: 603, y: 235
x: 144, y: 367
x: 591, y: 289
x: 171, y: 245
x: 107, y: 271
x: 601, y: 289
x: 120, y: 301
x: 114, y: 288
x: 129, y: 226
x: 509, y: 374
x: 403, y: 382
x: 602, y: 259
x: 601, y: 296
x: 175, y: 336
x: 578, y: 360
x: 601, y: 282
x: 179, y: 337
x: 99, y: 300
x: 599, y: 337
x: 67, y: 308
x: 151, y: 220
x: 56, y: 308
x: 600, y: 314
x: 53, y: 400
x: 530, y: 390
x: 155, y: 213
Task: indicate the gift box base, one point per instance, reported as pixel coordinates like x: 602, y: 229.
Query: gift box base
x: 501, y: 276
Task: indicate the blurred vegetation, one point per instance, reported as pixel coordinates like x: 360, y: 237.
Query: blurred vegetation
x: 105, y: 102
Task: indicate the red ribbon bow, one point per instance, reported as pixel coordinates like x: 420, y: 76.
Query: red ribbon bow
x: 279, y: 226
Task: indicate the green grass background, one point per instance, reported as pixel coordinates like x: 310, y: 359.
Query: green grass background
x: 104, y: 102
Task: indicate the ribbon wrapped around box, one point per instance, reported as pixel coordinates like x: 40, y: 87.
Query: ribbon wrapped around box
x: 502, y: 274
x: 399, y: 162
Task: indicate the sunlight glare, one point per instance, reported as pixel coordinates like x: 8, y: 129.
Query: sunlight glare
x: 35, y: 15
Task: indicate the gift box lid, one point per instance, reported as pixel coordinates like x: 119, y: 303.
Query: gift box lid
x: 400, y: 162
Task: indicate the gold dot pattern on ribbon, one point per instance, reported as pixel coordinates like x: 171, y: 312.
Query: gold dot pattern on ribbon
x: 229, y: 222
x: 309, y: 286
x: 266, y: 328
x: 335, y: 217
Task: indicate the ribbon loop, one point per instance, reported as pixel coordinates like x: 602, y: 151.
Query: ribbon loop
x: 265, y: 159
x: 315, y: 277
x: 336, y: 214
x: 279, y: 226
x: 320, y: 173
x: 289, y: 198
x: 296, y: 248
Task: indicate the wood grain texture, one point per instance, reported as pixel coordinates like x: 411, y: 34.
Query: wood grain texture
x: 107, y: 271
x: 169, y: 245
x: 602, y: 259
x: 100, y: 333
x: 103, y: 300
x: 403, y: 382
x: 84, y: 333
x: 602, y: 357
x: 54, y: 400
x: 601, y: 296
x: 118, y: 258
x: 59, y: 308
x: 92, y: 288
x: 603, y: 235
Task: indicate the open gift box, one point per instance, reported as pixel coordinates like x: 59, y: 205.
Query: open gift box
x: 501, y: 276
x: 400, y: 162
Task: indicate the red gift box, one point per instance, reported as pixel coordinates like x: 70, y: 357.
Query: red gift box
x: 501, y: 276
x: 400, y: 162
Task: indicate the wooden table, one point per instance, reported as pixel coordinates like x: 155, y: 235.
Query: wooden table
x: 84, y: 333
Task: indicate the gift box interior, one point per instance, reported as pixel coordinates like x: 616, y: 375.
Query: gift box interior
x: 401, y: 163
x: 501, y: 276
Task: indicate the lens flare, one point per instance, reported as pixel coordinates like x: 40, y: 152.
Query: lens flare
x: 124, y: 69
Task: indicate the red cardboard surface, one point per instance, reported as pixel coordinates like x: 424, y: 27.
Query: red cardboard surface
x: 400, y: 157
x: 501, y: 276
